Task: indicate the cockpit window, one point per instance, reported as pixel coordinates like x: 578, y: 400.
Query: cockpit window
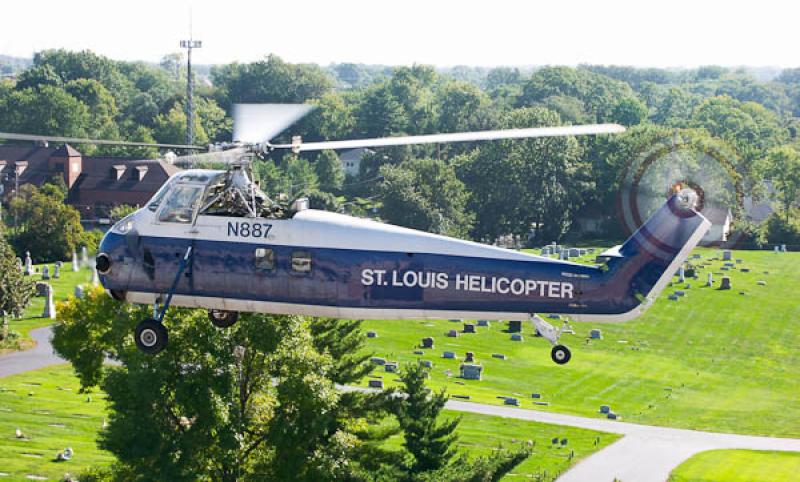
x: 181, y: 204
x: 159, y: 196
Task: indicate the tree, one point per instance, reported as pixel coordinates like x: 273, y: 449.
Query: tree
x: 425, y: 194
x: 47, y: 110
x: 430, y: 443
x: 783, y: 167
x: 16, y: 290
x: 44, y: 225
x: 330, y: 171
x: 170, y: 128
x: 256, y: 401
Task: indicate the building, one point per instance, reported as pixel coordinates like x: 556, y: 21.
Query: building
x: 95, y: 184
x: 351, y: 160
x: 720, y: 218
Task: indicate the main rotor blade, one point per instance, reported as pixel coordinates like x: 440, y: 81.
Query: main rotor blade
x: 75, y: 140
x: 581, y: 130
x: 256, y: 123
x: 221, y: 157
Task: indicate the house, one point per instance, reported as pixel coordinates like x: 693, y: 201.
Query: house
x: 95, y: 183
x: 720, y: 218
x: 351, y: 160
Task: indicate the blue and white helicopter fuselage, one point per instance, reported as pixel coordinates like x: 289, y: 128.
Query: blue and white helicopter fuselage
x: 319, y: 263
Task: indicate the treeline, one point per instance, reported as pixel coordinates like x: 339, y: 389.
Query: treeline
x: 483, y: 191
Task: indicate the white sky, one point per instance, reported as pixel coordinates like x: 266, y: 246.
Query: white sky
x: 669, y: 33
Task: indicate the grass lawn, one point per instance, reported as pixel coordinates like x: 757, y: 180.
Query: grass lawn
x: 739, y: 466
x: 63, y: 287
x: 46, y: 406
x: 714, y: 360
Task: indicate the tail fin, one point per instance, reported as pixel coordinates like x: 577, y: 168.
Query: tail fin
x: 639, y: 269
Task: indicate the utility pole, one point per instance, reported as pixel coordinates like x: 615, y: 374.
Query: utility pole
x: 189, y: 45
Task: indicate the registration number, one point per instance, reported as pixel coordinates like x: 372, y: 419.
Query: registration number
x: 249, y: 230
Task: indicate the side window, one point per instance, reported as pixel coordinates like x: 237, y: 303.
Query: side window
x: 180, y: 204
x: 301, y: 262
x: 265, y: 259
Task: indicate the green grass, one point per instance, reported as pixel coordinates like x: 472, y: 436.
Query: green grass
x: 739, y: 466
x: 714, y: 360
x: 46, y: 406
x: 63, y: 287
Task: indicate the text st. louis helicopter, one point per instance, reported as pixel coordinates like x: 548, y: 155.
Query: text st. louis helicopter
x: 212, y: 239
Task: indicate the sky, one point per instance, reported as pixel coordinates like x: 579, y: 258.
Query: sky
x: 649, y: 33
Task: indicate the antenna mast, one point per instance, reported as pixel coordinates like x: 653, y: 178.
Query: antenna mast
x: 189, y: 45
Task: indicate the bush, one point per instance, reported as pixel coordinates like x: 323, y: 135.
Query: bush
x: 781, y: 231
x: 91, y: 239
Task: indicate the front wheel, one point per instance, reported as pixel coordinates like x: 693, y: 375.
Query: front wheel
x: 151, y: 336
x: 560, y: 354
x: 222, y: 318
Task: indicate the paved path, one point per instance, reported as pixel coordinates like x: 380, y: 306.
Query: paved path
x: 645, y: 453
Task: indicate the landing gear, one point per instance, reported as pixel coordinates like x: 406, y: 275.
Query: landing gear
x: 222, y: 318
x: 151, y: 336
x: 560, y: 353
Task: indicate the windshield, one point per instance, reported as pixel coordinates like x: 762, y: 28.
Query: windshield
x: 181, y: 204
x: 156, y: 199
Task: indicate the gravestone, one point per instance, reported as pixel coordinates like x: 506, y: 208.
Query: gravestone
x: 41, y: 288
x: 680, y: 293
x: 456, y: 320
x: 726, y: 283
x: 681, y: 275
x: 516, y: 337
x: 376, y: 384
x: 85, y: 256
x: 710, y: 279
x: 745, y: 270
x: 596, y: 334
x: 605, y: 409
x: 390, y: 367
x: 499, y: 356
x: 564, y: 254
x: 75, y: 266
x: 450, y: 355
x: 49, y: 305
x: 419, y: 352
x: 574, y: 252
x: 452, y: 333
x: 57, y: 271
x: 427, y: 342
x: 590, y: 250
x: 511, y: 401
x: 612, y: 416
x: 79, y: 291
x: 20, y: 266
x: 783, y: 248
x: 762, y: 283
x: 536, y: 395
x: 582, y: 252
x: 469, y: 357
x: 469, y: 328
x: 554, y: 316
x: 95, y: 277
x: 777, y: 249
x: 690, y: 273
x: 483, y: 322
x: 514, y: 326
x: 672, y: 297
x: 470, y: 371
x: 28, y: 264
x: 738, y: 260
x: 545, y: 251
x: 696, y: 256
x: 426, y: 363
x: 372, y: 334
x: 727, y: 255
x: 46, y: 273
x: 378, y: 360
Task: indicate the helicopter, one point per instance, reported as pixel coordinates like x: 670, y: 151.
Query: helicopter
x: 212, y: 239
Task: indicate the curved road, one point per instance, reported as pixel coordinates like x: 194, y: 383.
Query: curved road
x: 645, y: 453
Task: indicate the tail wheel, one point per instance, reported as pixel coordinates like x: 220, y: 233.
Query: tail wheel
x: 151, y: 336
x: 222, y: 318
x: 560, y: 354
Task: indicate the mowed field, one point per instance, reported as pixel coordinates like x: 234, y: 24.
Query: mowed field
x: 63, y: 288
x: 713, y: 360
x: 46, y: 406
x: 739, y: 466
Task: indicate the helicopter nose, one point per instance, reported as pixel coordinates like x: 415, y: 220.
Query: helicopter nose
x: 103, y: 263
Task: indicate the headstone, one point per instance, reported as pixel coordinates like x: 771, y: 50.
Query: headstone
x: 449, y: 355
x: 426, y: 363
x: 681, y: 275
x: 427, y: 342
x: 514, y: 326
x: 738, y: 260
x: 511, y: 401
x: 745, y: 270
x: 456, y: 320
x: 57, y: 271
x: 499, y: 356
x: 605, y: 409
x: 469, y: 328
x: 79, y: 291
x: 41, y: 288
x: 390, y: 367
x: 590, y: 250
x: 726, y: 283
x: 46, y: 273
x: 49, y: 305
x: 783, y: 248
x: 762, y: 283
x: 376, y: 384
x: 372, y: 334
x: 419, y: 352
x: 516, y: 337
x: 469, y: 357
x: 452, y: 333
x: 95, y: 277
x: 471, y: 371
x: 564, y: 254
x: 545, y: 251
x: 378, y: 360
x: 20, y: 266
x: 75, y: 266
x: 536, y: 395
x: 612, y: 416
x: 574, y: 252
x: 28, y: 264
x: 690, y: 273
x: 582, y: 252
x: 596, y: 334
x: 554, y: 316
x: 710, y: 279
x: 727, y: 255
x: 696, y: 256
x: 680, y: 293
x: 777, y: 249
x: 483, y: 322
x: 85, y: 256
x: 672, y: 297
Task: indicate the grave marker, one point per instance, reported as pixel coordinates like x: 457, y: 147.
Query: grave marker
x: 471, y: 371
x: 49, y: 305
x: 469, y: 328
x: 514, y: 326
x: 427, y: 342
x: 516, y: 337
x: 726, y: 283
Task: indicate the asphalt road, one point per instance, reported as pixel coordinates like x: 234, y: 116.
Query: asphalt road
x: 645, y: 454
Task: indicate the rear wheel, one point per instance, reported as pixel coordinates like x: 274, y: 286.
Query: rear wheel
x: 151, y: 336
x: 560, y: 354
x: 222, y: 318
